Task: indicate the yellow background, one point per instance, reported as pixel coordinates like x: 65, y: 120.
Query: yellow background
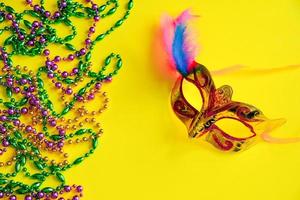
x: 145, y: 153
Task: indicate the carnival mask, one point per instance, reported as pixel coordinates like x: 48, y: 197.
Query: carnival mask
x: 216, y: 102
x: 217, y: 105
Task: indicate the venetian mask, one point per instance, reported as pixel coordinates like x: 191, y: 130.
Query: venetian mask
x: 217, y: 105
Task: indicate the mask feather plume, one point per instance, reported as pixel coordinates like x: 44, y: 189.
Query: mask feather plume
x: 179, y: 42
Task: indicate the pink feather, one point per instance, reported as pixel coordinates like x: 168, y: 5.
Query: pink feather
x: 169, y: 26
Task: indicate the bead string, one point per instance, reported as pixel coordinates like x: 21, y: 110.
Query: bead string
x: 29, y: 123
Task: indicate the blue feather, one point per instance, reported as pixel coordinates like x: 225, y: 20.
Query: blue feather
x: 179, y: 53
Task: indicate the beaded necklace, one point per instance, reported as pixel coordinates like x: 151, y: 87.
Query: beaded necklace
x: 29, y: 123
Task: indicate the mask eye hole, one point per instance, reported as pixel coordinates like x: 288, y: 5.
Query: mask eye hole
x: 192, y: 94
x: 234, y: 128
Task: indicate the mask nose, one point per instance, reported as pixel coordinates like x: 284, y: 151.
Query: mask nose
x: 200, y: 125
x: 193, y: 134
x: 196, y: 129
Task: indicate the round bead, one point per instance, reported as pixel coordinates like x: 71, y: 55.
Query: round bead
x: 28, y: 197
x: 12, y: 197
